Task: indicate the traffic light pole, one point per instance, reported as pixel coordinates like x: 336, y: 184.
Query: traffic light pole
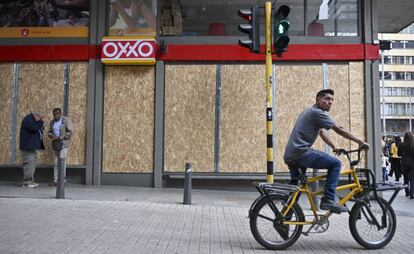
x: 269, y: 101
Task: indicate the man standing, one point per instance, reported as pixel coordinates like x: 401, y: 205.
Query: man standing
x: 31, y: 140
x: 60, y: 131
x: 312, y: 122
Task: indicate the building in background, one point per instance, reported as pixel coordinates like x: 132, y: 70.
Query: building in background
x: 397, y: 84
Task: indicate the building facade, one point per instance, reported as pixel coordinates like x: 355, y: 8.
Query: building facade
x: 397, y: 85
x: 204, y: 100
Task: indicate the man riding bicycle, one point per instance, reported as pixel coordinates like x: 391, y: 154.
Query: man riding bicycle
x: 312, y: 122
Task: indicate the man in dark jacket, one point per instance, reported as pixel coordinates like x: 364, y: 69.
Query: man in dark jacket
x: 31, y: 140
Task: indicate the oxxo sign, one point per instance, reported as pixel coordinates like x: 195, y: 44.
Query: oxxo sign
x: 129, y: 50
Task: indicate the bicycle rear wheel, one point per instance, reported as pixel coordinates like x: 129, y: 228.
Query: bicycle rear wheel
x: 363, y: 228
x: 266, y: 223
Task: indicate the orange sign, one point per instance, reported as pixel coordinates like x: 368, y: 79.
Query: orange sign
x: 129, y: 50
x: 49, y: 32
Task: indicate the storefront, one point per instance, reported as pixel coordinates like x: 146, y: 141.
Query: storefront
x: 204, y: 99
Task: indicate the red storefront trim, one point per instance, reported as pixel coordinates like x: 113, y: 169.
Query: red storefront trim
x: 195, y: 53
x: 49, y: 53
x: 306, y: 52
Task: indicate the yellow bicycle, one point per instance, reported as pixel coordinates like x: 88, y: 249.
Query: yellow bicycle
x: 277, y: 219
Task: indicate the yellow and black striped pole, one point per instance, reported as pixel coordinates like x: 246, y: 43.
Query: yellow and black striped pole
x: 269, y: 102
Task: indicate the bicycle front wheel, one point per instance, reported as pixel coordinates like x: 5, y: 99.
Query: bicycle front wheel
x: 363, y: 226
x: 266, y: 223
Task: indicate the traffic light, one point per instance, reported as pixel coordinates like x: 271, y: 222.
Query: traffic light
x: 280, y: 30
x: 252, y: 29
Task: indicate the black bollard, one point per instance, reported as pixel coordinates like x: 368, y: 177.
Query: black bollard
x: 60, y: 188
x: 187, y: 184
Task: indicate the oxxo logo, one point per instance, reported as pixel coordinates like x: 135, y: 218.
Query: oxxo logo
x: 128, y: 51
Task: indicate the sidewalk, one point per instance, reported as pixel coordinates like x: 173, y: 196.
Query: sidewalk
x: 113, y: 219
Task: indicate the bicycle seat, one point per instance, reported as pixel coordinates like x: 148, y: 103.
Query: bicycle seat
x: 297, y: 172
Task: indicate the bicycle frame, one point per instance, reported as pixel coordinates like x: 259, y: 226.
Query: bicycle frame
x: 355, y: 188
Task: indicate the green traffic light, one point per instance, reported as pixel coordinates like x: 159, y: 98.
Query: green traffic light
x: 283, y: 27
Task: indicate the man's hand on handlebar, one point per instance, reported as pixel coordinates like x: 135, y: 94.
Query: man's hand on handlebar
x: 363, y: 146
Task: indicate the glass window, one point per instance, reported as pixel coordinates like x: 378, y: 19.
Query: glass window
x: 399, y: 109
x: 409, y: 60
x: 332, y: 18
x: 132, y: 17
x: 218, y: 18
x: 397, y: 44
x: 387, y: 75
x: 399, y: 75
x: 409, y: 44
x: 387, y: 59
x: 409, y: 76
x: 398, y: 60
x: 41, y: 18
x: 388, y: 108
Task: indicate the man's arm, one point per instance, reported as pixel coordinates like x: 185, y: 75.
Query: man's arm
x: 348, y: 135
x: 325, y: 137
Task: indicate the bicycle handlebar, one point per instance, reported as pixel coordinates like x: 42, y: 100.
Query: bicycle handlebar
x: 347, y: 153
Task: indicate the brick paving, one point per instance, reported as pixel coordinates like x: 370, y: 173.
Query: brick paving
x: 35, y: 225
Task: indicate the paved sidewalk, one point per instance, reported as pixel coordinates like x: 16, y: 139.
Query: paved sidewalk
x: 100, y: 220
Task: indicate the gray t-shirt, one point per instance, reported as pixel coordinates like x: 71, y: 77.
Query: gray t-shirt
x: 305, y: 132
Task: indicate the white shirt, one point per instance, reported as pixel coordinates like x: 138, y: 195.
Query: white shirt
x: 56, y: 127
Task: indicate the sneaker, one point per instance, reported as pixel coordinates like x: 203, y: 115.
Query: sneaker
x: 29, y: 185
x: 53, y: 184
x: 329, y: 204
x: 35, y: 184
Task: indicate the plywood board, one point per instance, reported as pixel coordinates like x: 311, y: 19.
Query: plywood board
x: 128, y: 138
x: 357, y: 103
x: 78, y: 82
x: 189, y: 117
x: 243, y: 119
x: 6, y: 105
x: 40, y: 88
x: 296, y: 88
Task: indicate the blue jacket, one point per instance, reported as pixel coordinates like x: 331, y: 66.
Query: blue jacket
x: 31, y: 134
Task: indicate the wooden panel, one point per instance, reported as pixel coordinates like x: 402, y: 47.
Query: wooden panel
x: 6, y: 104
x: 296, y: 88
x: 189, y: 117
x: 243, y: 119
x: 357, y: 103
x: 40, y: 88
x: 128, y: 138
x: 338, y: 75
x: 77, y: 112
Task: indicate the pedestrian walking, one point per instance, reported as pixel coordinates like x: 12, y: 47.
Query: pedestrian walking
x: 406, y: 150
x: 60, y: 132
x: 31, y: 140
x: 395, y: 159
x: 385, y: 165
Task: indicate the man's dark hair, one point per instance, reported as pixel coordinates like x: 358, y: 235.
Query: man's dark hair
x: 57, y: 109
x: 322, y: 93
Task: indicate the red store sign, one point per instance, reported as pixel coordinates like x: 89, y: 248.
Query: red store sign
x: 129, y: 50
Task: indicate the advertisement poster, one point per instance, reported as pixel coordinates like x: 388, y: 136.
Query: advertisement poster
x: 132, y: 18
x: 44, y: 18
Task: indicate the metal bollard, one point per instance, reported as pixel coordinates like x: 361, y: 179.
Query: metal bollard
x: 60, y: 188
x: 187, y: 184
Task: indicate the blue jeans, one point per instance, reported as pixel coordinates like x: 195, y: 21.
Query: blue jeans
x: 319, y: 160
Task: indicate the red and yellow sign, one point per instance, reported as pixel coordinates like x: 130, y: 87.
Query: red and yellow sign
x: 44, y: 32
x: 129, y: 50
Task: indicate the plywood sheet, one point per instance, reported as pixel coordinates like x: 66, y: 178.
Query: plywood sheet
x: 338, y: 75
x: 243, y: 119
x: 6, y: 105
x: 296, y: 88
x: 78, y: 82
x: 40, y: 88
x: 189, y: 117
x: 128, y: 138
x: 357, y: 103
